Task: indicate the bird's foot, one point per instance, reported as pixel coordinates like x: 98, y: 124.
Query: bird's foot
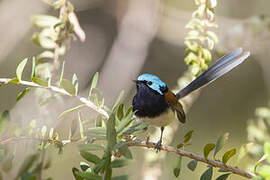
x: 158, y: 146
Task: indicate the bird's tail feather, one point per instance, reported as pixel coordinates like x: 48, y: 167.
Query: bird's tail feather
x: 222, y: 66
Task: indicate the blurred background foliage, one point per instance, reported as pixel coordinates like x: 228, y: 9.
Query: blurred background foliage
x: 126, y: 38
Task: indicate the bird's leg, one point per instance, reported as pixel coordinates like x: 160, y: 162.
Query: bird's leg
x: 158, y: 144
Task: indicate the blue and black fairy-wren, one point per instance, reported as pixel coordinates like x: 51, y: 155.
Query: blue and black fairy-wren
x: 156, y: 105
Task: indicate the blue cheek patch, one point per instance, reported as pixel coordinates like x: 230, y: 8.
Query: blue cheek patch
x: 156, y: 82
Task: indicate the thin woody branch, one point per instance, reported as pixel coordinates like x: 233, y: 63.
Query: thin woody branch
x: 190, y: 155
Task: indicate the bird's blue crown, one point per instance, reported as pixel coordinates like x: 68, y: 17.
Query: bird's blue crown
x: 156, y: 82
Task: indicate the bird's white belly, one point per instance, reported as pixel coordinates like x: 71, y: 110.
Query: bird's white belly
x: 162, y: 120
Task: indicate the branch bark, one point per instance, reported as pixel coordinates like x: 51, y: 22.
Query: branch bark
x: 147, y: 144
x: 190, y: 155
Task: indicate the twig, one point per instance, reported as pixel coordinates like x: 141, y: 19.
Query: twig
x: 60, y: 91
x: 190, y: 155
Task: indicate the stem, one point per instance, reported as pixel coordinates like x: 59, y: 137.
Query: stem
x: 197, y: 157
x: 60, y: 91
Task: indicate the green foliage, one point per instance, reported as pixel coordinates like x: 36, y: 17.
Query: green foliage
x: 228, y: 155
x: 20, y: 68
x: 220, y: 143
x: 207, y: 175
x: 192, y: 165
x: 23, y: 93
x: 187, y: 139
x: 208, y: 148
x: 177, y: 167
x: 223, y: 176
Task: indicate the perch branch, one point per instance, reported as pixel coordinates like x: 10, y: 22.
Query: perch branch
x: 190, y: 155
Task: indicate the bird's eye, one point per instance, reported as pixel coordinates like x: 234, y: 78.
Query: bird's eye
x: 149, y: 83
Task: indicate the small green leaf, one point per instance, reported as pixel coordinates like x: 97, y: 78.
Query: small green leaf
x: 179, y: 146
x: 43, y: 131
x: 128, y: 111
x: 51, y: 133
x: 120, y: 112
x: 40, y: 82
x: 23, y: 93
x: 188, y: 136
x: 43, y: 41
x: 223, y: 176
x: 97, y: 132
x: 75, y: 83
x: 68, y: 86
x: 118, y: 163
x: 207, y: 175
x: 14, y: 81
x: 45, y: 55
x: 228, y: 155
x: 87, y: 175
x: 177, y: 167
x: 97, y: 97
x: 44, y: 21
x: 27, y: 164
x: 20, y: 68
x: 90, y: 157
x: 124, y: 123
x: 111, y: 132
x: 192, y: 165
x: 208, y: 148
x: 137, y: 127
x: 93, y: 84
x: 267, y: 150
x: 71, y: 110
x: 62, y: 73
x: 118, y: 99
x: 33, y: 73
x: 81, y: 125
x: 264, y: 157
x: 220, y: 143
x: 90, y: 147
x: 100, y: 166
x: 124, y: 150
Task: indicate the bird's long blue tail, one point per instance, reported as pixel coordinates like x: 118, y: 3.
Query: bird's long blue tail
x: 222, y: 66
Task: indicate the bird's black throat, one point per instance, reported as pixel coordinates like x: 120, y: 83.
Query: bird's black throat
x: 148, y: 103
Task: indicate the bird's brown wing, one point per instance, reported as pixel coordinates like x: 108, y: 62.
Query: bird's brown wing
x: 175, y: 105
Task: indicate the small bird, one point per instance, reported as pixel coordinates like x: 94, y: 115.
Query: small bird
x: 156, y: 105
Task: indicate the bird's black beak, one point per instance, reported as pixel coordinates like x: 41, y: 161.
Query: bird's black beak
x: 136, y: 81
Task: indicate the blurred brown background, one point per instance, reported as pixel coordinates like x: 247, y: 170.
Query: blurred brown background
x: 125, y: 38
